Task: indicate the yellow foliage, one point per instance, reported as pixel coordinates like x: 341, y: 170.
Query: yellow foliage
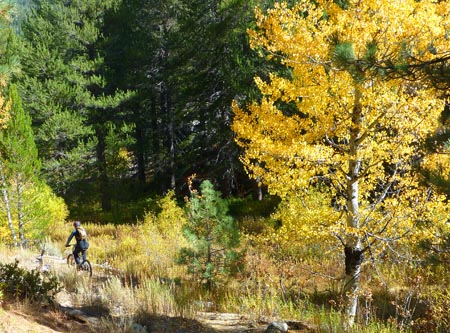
x: 357, y: 126
x: 302, y: 213
x: 119, y: 162
x: 171, y: 219
x: 438, y: 164
x: 145, y: 249
x: 4, y: 109
x: 162, y: 236
x: 5, y: 233
x: 148, y: 248
x: 44, y: 213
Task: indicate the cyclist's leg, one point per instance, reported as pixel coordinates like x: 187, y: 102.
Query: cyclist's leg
x: 76, y: 253
x: 83, y: 254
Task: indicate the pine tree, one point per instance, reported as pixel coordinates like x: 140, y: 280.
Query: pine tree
x: 64, y: 87
x: 212, y: 234
x: 185, y: 62
x: 143, y: 54
x: 7, y: 67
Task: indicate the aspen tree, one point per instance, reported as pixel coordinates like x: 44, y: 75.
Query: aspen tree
x: 351, y: 115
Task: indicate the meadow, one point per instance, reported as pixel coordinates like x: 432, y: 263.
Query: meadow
x: 136, y: 276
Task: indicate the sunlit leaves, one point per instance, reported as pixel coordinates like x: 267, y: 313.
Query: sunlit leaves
x: 362, y: 114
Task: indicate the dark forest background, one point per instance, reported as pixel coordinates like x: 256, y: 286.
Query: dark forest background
x: 130, y: 98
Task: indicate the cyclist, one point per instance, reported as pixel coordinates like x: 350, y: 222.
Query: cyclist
x: 82, y: 244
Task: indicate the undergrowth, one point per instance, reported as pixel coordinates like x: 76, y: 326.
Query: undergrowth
x: 22, y: 284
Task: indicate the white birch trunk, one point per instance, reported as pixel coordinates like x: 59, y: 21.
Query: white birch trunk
x: 353, y: 255
x: 7, y: 205
x: 20, y: 214
x: 353, y: 248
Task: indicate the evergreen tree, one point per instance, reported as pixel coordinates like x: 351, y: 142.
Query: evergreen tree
x: 212, y: 71
x: 64, y: 86
x: 212, y: 234
x: 7, y: 62
x: 142, y: 52
x: 185, y: 60
x: 21, y: 162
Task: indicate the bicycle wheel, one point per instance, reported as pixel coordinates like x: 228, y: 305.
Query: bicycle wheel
x: 86, y: 267
x: 70, y: 260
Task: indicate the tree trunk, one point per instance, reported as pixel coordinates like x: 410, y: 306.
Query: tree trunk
x: 140, y: 153
x: 167, y: 109
x: 20, y: 214
x: 353, y: 260
x: 103, y: 172
x: 353, y: 248
x: 7, y: 205
x: 353, y: 252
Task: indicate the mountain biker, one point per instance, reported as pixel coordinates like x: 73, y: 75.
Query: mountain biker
x: 82, y: 244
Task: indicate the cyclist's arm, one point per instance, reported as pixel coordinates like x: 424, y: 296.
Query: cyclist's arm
x: 70, y: 238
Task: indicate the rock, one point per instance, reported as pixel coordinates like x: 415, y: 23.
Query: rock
x: 276, y: 326
x: 137, y: 328
x: 205, y: 306
x: 297, y: 325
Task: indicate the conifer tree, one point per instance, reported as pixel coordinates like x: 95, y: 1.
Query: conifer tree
x: 21, y: 163
x: 6, y: 68
x: 212, y: 234
x: 185, y: 60
x: 64, y: 86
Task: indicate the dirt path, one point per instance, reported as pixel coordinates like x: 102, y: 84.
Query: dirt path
x: 11, y: 322
x: 204, y: 322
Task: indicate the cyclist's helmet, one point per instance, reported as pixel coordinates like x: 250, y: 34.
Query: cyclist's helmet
x: 77, y: 224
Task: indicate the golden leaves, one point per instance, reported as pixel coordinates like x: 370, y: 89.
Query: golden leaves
x: 340, y: 117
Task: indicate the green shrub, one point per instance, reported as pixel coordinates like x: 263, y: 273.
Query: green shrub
x: 241, y: 207
x: 31, y: 285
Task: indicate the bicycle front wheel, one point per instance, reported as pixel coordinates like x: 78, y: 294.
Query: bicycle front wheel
x: 70, y: 260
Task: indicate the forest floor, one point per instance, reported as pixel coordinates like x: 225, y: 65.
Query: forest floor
x: 64, y: 317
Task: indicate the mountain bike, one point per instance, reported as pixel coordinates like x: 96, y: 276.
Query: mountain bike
x: 85, y: 266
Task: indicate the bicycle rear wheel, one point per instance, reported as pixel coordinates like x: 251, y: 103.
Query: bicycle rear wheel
x: 86, y: 267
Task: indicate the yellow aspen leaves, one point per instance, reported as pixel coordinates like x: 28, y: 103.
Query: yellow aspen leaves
x: 358, y: 111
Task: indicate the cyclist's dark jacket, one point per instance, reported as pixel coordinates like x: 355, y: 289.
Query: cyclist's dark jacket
x: 81, y: 242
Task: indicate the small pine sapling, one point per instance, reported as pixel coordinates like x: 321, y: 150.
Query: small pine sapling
x: 212, y: 235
